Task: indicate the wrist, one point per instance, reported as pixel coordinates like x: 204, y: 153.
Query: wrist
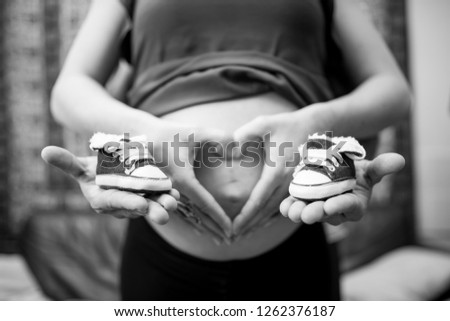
x: 147, y: 124
x: 315, y: 118
x: 327, y: 116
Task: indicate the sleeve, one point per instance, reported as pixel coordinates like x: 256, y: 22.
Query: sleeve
x: 129, y: 6
x: 126, y: 41
x: 328, y: 9
x: 338, y: 76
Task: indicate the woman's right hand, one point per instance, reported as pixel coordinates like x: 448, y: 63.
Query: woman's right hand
x: 175, y: 148
x: 120, y: 204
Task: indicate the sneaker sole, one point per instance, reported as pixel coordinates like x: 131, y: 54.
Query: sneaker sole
x: 133, y: 184
x: 323, y: 191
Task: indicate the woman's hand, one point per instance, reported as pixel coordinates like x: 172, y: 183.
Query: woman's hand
x: 178, y: 160
x: 281, y: 135
x: 114, y: 202
x: 348, y: 206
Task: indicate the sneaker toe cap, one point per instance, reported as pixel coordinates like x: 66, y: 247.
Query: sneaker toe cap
x: 149, y: 172
x: 308, y: 177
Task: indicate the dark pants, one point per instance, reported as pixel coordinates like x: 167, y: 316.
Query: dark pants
x: 304, y: 267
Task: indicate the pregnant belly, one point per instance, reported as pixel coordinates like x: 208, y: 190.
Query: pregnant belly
x: 230, y: 183
x: 229, y: 180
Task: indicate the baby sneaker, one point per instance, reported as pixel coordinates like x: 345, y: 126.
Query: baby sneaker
x: 326, y: 167
x: 125, y: 163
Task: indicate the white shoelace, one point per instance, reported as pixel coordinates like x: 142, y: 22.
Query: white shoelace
x: 330, y: 157
x: 319, y: 157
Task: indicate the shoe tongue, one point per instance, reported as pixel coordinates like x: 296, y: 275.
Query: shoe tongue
x: 317, y: 148
x: 319, y: 143
x: 316, y: 154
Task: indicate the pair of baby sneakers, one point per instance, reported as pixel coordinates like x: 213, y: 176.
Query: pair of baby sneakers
x: 326, y: 167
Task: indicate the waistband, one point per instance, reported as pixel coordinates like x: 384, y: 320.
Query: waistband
x: 306, y: 235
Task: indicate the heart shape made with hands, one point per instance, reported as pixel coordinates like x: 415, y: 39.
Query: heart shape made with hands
x: 235, y: 178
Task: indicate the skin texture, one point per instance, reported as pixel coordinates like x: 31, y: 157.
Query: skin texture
x: 120, y: 204
x: 381, y: 98
x: 347, y: 207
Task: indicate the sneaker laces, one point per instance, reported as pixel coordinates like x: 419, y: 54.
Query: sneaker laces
x: 129, y: 153
x: 330, y: 158
x: 319, y: 158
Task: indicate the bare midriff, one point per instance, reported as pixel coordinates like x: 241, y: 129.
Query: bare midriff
x: 230, y: 183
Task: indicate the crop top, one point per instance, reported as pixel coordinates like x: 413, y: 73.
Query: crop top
x: 186, y: 53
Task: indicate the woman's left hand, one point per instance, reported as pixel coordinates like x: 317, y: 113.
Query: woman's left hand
x: 281, y: 158
x: 348, y: 206
x: 281, y: 135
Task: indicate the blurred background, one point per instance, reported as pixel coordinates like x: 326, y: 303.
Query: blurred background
x: 53, y: 247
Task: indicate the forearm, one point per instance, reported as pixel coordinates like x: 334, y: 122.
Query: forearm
x: 82, y: 104
x: 379, y: 102
x: 382, y: 97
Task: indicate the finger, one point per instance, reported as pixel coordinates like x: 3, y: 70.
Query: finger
x: 112, y: 199
x: 203, y: 225
x: 261, y: 193
x: 335, y: 220
x: 175, y: 194
x: 285, y: 205
x: 269, y: 210
x: 157, y: 213
x: 168, y: 202
x: 213, y: 229
x: 296, y: 210
x: 199, y: 220
x: 251, y: 130
x: 383, y: 165
x: 347, y: 203
x: 313, y: 212
x: 121, y: 214
x: 212, y: 135
x: 64, y: 160
x: 269, y: 219
x: 206, y: 202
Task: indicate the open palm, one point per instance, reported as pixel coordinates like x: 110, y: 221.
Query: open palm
x: 121, y: 204
x: 348, y: 206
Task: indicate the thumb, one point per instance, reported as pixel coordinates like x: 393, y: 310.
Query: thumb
x: 383, y: 165
x: 212, y: 135
x: 254, y: 129
x: 64, y: 160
